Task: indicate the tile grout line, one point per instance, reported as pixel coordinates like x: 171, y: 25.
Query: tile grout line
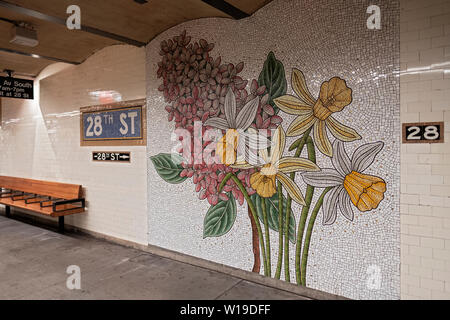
x: 229, y: 289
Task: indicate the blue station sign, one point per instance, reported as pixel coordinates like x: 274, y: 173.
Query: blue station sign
x: 113, y: 124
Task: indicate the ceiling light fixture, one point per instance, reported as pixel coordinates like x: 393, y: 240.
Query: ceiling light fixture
x: 24, y: 35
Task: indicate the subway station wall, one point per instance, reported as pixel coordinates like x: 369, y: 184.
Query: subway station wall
x: 299, y: 68
x: 40, y: 139
x: 425, y: 168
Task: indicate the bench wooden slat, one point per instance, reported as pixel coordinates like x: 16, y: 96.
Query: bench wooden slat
x: 44, y: 188
x: 36, y: 207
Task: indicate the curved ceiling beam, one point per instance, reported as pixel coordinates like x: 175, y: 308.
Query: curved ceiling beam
x: 38, y: 56
x: 227, y: 8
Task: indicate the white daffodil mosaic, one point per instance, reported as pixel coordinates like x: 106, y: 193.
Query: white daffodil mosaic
x: 236, y: 142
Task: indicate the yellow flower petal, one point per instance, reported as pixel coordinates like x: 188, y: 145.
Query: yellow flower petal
x: 321, y: 139
x: 264, y: 155
x: 279, y: 140
x: 291, y: 187
x: 242, y: 165
x: 340, y: 131
x: 292, y: 105
x: 301, y: 124
x: 293, y: 164
x: 365, y: 191
x: 299, y: 85
x: 263, y: 184
x: 335, y: 95
x: 227, y: 146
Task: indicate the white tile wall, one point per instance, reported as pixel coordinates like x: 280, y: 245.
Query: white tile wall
x: 425, y: 177
x: 41, y: 139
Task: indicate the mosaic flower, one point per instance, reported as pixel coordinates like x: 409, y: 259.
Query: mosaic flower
x: 234, y: 142
x: 334, y: 96
x: 349, y: 184
x: 275, y: 168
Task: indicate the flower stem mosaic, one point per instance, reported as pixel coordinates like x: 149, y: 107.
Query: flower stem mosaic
x: 232, y: 146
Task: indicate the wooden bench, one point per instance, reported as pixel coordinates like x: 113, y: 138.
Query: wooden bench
x: 53, y: 199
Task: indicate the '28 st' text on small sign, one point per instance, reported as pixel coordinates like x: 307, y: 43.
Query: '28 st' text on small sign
x: 111, y: 156
x: 423, y: 132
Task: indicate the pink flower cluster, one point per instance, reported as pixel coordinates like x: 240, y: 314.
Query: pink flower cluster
x: 265, y: 116
x: 195, y: 85
x: 208, y: 178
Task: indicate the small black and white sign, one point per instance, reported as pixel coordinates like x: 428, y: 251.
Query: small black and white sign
x: 423, y: 132
x: 111, y: 156
x: 16, y: 88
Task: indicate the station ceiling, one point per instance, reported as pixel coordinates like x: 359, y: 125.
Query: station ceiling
x: 103, y: 23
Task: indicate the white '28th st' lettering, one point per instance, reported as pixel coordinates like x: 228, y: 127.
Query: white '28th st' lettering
x: 95, y: 125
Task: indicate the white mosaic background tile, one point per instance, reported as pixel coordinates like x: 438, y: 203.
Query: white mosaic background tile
x: 323, y: 39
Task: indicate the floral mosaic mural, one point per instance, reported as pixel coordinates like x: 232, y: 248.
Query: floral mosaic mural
x: 232, y: 147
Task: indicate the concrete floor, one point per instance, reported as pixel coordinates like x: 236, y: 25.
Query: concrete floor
x: 33, y: 264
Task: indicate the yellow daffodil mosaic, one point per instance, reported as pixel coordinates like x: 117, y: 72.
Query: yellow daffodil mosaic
x: 276, y: 167
x: 317, y: 113
x: 347, y: 182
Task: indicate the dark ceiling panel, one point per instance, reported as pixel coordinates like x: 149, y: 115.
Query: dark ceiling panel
x: 54, y: 40
x: 125, y: 18
x: 22, y: 65
x: 249, y: 6
x: 141, y: 22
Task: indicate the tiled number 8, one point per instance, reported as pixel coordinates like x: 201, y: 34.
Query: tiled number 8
x: 431, y: 133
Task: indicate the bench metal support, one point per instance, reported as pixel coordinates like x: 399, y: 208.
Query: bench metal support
x: 29, y: 196
x: 61, y: 224
x: 38, y: 199
x: 11, y: 194
x: 5, y: 191
x: 18, y: 196
x: 8, y: 211
x: 56, y: 202
x: 49, y: 200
